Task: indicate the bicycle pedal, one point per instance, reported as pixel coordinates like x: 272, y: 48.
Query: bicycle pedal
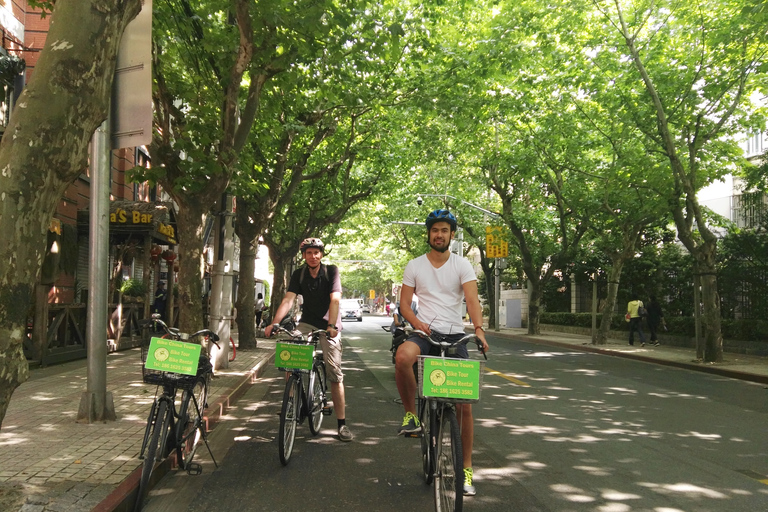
x: 327, y: 411
x: 413, y: 434
x: 193, y: 468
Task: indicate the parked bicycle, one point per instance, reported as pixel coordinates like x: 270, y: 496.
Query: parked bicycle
x: 449, y: 381
x: 175, y: 423
x: 305, y: 389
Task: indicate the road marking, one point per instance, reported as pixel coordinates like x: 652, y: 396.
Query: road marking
x: 510, y: 379
x: 752, y: 474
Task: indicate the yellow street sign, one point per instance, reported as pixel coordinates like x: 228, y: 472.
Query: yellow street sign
x: 372, y: 294
x: 495, y: 245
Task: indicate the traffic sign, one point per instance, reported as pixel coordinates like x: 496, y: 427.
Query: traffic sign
x: 495, y: 245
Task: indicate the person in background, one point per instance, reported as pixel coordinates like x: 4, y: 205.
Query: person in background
x: 320, y: 286
x: 655, y: 319
x: 161, y: 299
x: 635, y: 321
x: 259, y: 307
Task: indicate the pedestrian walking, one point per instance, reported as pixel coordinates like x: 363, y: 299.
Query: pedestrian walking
x: 259, y: 307
x: 655, y: 319
x: 636, y: 312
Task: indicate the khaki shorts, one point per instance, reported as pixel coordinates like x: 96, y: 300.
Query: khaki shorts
x: 331, y: 352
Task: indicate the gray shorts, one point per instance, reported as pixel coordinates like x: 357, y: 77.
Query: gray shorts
x: 331, y: 352
x: 428, y: 349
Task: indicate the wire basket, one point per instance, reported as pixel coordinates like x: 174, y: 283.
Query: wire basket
x: 451, y: 399
x: 177, y: 380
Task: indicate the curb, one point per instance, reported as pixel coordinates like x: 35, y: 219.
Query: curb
x: 725, y: 372
x: 123, y: 498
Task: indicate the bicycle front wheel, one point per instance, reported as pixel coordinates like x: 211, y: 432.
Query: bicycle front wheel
x: 159, y: 428
x: 316, y: 398
x: 449, y: 484
x: 289, y: 416
x: 189, y: 430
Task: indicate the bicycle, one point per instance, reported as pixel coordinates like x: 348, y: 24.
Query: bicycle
x: 305, y: 389
x: 171, y: 428
x: 450, y: 381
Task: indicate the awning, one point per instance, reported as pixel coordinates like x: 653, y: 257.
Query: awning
x: 137, y: 218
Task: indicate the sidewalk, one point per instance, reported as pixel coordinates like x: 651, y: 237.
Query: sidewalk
x: 52, y: 464
x: 737, y: 366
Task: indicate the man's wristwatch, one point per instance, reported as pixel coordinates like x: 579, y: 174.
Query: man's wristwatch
x: 479, y: 327
x: 331, y: 325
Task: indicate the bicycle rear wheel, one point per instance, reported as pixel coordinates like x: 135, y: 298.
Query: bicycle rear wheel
x: 289, y: 416
x: 316, y: 398
x: 449, y: 484
x: 158, y: 428
x: 189, y: 430
x: 427, y: 440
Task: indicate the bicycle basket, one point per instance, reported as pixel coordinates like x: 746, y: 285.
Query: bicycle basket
x: 451, y: 380
x: 177, y: 380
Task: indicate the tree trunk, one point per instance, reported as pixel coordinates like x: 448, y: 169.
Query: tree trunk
x: 190, y: 224
x: 282, y: 275
x: 246, y: 324
x: 614, y: 277
x: 45, y: 149
x: 534, y: 305
x: 710, y: 318
x: 490, y: 289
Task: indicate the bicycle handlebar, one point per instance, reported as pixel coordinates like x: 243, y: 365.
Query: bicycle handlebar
x: 296, y: 335
x: 445, y: 344
x: 212, y: 336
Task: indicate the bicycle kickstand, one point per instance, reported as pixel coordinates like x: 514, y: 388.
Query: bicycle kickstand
x: 195, y: 468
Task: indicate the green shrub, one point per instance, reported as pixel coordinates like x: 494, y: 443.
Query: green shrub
x: 747, y: 330
x: 133, y: 288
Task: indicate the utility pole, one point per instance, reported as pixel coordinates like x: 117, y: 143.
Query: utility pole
x: 96, y: 403
x: 221, y: 282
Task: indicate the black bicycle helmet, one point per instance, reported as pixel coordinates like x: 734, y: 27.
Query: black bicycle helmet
x: 441, y: 216
x: 309, y: 243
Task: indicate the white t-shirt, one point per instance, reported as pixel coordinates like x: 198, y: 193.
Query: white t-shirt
x: 440, y: 291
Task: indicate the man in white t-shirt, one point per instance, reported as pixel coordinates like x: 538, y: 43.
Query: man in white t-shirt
x: 441, y: 279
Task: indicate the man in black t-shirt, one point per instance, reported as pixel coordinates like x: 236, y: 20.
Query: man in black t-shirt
x: 320, y: 287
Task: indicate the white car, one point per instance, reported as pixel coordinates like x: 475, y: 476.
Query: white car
x: 350, y: 308
x: 366, y: 308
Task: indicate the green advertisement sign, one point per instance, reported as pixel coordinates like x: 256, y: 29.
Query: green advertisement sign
x: 294, y: 356
x: 451, y: 378
x: 173, y: 356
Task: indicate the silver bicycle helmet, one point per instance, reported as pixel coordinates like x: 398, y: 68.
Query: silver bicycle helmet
x: 309, y: 243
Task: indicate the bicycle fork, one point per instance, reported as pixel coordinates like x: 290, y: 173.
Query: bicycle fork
x: 152, y: 419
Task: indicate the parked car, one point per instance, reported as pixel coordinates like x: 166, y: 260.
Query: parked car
x: 350, y: 308
x: 366, y: 308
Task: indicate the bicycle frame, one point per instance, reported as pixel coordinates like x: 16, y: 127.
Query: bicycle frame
x: 303, y: 397
x: 442, y: 458
x: 165, y: 423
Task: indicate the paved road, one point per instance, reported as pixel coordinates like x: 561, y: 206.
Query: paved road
x: 557, y: 430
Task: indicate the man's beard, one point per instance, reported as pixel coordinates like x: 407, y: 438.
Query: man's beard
x: 438, y: 248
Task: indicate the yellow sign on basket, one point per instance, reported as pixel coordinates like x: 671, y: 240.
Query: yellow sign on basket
x: 495, y: 245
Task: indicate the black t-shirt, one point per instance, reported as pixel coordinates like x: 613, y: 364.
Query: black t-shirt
x: 316, y: 292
